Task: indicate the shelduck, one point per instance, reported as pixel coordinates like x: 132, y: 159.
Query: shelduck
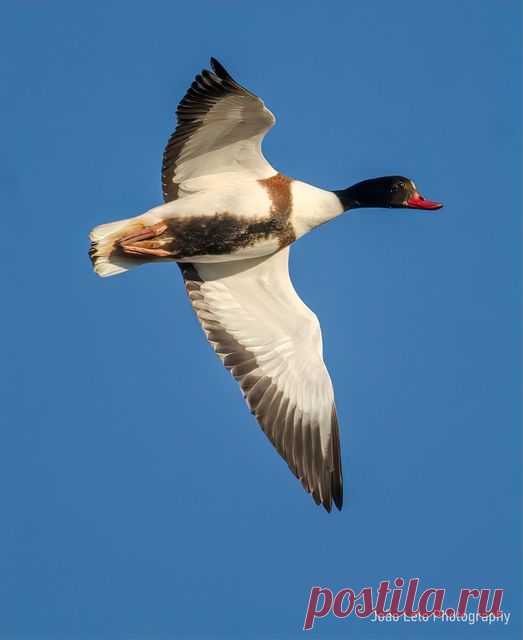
x: 228, y: 220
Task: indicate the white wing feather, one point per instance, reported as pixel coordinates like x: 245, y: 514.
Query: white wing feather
x: 220, y: 129
x: 271, y: 342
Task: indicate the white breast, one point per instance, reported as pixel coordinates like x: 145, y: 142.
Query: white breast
x: 312, y: 206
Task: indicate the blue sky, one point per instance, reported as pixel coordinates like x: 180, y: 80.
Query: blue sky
x: 139, y: 499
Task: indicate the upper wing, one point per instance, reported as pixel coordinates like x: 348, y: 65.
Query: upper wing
x: 220, y: 127
x: 271, y: 342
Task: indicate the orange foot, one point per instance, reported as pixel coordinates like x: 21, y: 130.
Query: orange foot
x: 142, y: 243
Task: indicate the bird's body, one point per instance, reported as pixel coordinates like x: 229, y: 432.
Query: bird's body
x: 231, y: 219
x: 228, y: 220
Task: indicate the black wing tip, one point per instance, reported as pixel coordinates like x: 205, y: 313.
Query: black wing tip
x: 337, y: 473
x: 337, y: 496
x: 337, y: 486
x: 327, y: 506
x: 219, y: 69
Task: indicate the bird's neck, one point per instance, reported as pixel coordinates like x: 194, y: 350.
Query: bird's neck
x: 349, y: 198
x: 313, y: 207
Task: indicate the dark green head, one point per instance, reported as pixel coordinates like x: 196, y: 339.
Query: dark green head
x: 385, y: 192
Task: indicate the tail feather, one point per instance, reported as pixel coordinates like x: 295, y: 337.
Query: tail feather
x: 106, y: 258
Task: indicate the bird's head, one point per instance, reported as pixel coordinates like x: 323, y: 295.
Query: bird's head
x: 385, y: 192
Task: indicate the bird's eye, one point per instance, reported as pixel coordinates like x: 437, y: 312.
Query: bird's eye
x: 397, y: 186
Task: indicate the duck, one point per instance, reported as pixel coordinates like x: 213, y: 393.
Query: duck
x: 228, y: 220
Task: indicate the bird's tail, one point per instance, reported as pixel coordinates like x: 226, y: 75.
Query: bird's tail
x: 107, y: 258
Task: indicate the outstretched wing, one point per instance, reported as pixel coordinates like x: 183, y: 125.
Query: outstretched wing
x: 271, y: 343
x: 220, y: 128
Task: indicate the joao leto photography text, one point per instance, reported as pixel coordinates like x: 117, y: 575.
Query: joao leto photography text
x: 402, y: 600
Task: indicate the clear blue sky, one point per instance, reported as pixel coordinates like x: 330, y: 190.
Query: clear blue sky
x: 138, y: 497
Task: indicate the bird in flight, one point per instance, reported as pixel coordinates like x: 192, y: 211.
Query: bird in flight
x: 228, y: 220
